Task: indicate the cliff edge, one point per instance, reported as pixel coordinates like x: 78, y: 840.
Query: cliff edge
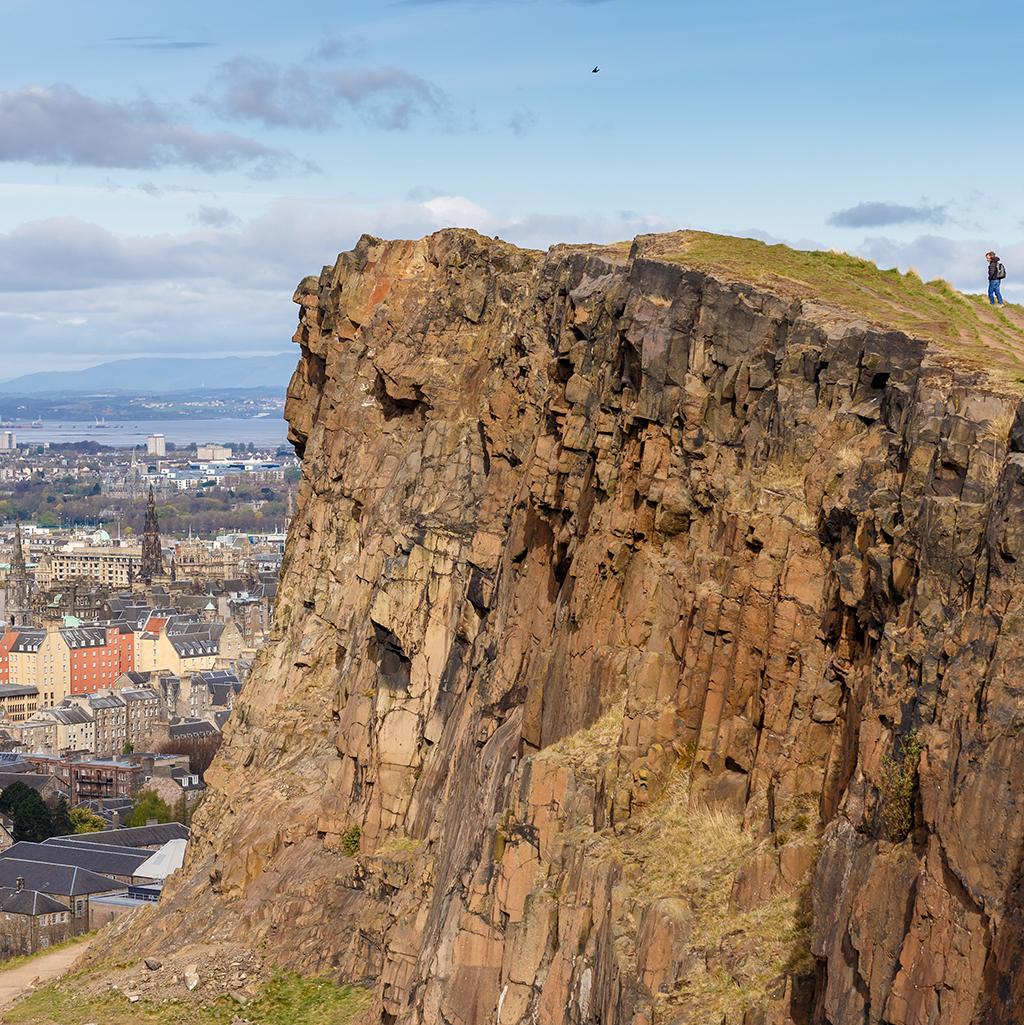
x: 649, y: 646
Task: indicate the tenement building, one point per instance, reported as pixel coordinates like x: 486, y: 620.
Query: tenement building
x: 111, y: 565
x: 74, y: 660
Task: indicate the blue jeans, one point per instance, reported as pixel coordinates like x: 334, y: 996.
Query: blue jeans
x: 993, y: 292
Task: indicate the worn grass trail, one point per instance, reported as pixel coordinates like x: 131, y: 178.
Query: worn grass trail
x: 17, y: 981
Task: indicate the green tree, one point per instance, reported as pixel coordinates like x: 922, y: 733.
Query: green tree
x: 85, y: 821
x: 148, y: 805
x: 60, y: 818
x: 32, y: 819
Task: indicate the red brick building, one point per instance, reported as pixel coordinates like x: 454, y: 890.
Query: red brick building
x: 101, y: 779
x: 68, y: 660
x: 8, y: 638
x: 98, y: 656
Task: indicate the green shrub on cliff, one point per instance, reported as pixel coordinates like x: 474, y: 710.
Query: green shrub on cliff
x: 899, y: 781
x: 350, y: 840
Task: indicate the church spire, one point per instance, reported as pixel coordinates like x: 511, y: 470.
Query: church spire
x: 17, y: 583
x: 152, y: 560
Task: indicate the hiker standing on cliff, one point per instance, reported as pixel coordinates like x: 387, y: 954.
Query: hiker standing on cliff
x: 996, y: 273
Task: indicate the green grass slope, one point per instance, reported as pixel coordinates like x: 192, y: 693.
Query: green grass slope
x: 966, y: 327
x: 285, y: 1000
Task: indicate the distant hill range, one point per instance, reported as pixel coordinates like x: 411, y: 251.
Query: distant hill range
x: 159, y: 375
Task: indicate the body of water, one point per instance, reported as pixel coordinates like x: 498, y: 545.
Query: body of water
x: 262, y: 431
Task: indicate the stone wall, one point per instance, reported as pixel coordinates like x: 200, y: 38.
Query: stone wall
x: 646, y: 651
x: 26, y: 934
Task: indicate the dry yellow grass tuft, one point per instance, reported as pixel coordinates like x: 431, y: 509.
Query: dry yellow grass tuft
x: 398, y: 845
x: 586, y: 751
x: 686, y: 849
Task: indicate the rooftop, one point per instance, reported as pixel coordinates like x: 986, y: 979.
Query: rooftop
x: 28, y: 902
x: 109, y: 861
x: 35, y: 780
x: 66, y: 715
x: 134, y: 836
x: 16, y: 690
x: 28, y: 639
x: 191, y: 728
x: 62, y: 880
x: 85, y: 637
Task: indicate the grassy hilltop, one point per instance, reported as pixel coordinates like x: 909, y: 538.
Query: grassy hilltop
x: 967, y: 326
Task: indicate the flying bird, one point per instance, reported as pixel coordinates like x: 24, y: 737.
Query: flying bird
x: 595, y: 71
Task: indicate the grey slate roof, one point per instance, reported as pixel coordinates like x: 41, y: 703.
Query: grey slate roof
x: 139, y: 694
x: 187, y: 780
x: 17, y: 690
x: 137, y: 679
x: 28, y: 640
x: 199, y: 639
x: 134, y: 616
x: 115, y: 861
x: 134, y: 836
x: 106, y: 807
x: 28, y: 902
x: 35, y: 780
x: 69, y: 715
x: 97, y: 701
x: 85, y: 637
x: 220, y: 683
x: 59, y: 843
x: 191, y: 728
x: 63, y: 880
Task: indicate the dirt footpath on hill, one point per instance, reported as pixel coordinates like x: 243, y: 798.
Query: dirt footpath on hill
x: 18, y: 982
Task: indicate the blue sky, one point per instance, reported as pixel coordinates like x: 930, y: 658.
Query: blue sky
x: 168, y: 171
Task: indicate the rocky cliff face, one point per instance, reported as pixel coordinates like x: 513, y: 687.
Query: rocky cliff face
x: 650, y: 649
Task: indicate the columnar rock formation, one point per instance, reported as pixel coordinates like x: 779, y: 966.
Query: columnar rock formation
x: 647, y: 651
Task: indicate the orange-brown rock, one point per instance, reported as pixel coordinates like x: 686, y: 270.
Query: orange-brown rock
x: 617, y: 592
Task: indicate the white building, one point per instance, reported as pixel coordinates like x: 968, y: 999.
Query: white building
x: 211, y: 453
x: 8, y: 441
x: 156, y: 445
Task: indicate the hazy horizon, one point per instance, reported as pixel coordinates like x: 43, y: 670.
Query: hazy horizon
x: 168, y: 175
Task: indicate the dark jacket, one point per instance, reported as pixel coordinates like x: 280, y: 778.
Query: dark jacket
x: 993, y: 268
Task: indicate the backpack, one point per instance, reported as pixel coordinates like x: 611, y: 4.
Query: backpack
x: 1000, y: 271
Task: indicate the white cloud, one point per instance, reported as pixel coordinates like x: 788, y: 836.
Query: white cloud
x: 59, y: 125
x: 256, y: 90
x: 959, y: 261
x: 458, y: 210
x: 879, y: 214
x: 72, y: 290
